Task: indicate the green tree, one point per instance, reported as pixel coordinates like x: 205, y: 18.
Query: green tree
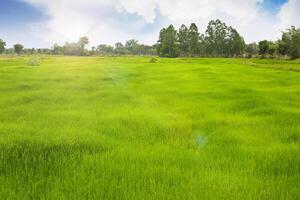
x: 18, y: 48
x: 183, y: 40
x: 215, y: 38
x: 82, y: 42
x: 119, y: 48
x: 104, y: 49
x: 251, y: 49
x: 2, y: 46
x: 272, y: 48
x: 193, y: 35
x: 72, y: 49
x: 263, y: 47
x: 132, y: 46
x: 57, y: 50
x: 167, y: 43
x: 235, y: 43
x: 290, y: 43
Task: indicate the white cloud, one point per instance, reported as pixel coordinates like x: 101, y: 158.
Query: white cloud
x: 290, y: 14
x: 108, y: 21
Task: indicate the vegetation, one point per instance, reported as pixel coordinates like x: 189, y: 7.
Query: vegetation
x: 219, y: 40
x: 127, y: 128
x: 2, y: 46
x: 18, y: 48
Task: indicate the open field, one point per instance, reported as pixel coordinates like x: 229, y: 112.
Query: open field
x: 124, y: 128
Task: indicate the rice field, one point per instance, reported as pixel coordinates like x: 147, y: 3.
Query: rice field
x: 127, y: 128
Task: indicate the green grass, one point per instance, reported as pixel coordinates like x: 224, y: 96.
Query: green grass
x: 125, y: 128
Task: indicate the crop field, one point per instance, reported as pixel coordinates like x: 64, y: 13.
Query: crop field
x: 126, y: 128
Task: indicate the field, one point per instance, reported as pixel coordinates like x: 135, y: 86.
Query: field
x: 125, y: 128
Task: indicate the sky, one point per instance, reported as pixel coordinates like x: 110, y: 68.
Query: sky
x: 41, y: 23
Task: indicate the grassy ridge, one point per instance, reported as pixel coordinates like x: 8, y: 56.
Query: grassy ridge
x: 124, y: 128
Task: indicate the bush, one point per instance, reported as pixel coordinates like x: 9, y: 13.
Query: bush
x: 33, y: 62
x: 153, y: 60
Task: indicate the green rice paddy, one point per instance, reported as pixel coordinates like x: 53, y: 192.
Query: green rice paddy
x: 125, y: 128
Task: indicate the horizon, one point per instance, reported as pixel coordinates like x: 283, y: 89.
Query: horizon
x: 110, y: 21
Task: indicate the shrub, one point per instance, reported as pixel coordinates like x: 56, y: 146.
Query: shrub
x: 153, y: 60
x: 33, y: 62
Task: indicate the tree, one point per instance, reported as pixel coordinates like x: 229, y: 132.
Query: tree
x: 290, y: 43
x: 57, y: 50
x: 202, y: 45
x: 93, y: 51
x: 167, y: 43
x: 272, y: 48
x: 104, y: 49
x: 215, y: 38
x: 251, y: 49
x: 183, y: 40
x: 2, y: 46
x: 235, y: 43
x: 82, y: 42
x: 18, y: 48
x: 132, y: 46
x: 193, y: 36
x: 119, y: 48
x: 263, y: 47
x: 294, y: 49
x: 72, y: 49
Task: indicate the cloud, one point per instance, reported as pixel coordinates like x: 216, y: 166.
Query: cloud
x: 289, y: 14
x: 109, y: 21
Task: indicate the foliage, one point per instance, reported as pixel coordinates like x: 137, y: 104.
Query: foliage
x: 153, y: 60
x: 2, y: 46
x: 119, y: 48
x: 263, y: 47
x: 290, y: 43
x: 18, y: 48
x: 183, y: 40
x: 219, y: 40
x: 251, y: 49
x: 215, y: 38
x: 167, y: 43
x: 33, y: 61
x: 82, y: 42
x: 193, y: 39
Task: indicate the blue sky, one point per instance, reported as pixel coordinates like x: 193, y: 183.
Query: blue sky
x: 41, y: 23
x: 273, y: 5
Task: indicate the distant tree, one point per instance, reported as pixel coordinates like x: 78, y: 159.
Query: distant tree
x: 251, y: 49
x: 72, y: 49
x: 29, y: 51
x: 104, y: 49
x: 57, y: 50
x: 235, y: 43
x: 167, y: 44
x: 215, y: 38
x: 18, y: 48
x: 93, y: 50
x: 263, y: 47
x: 272, y: 48
x: 193, y: 36
x: 119, y: 48
x: 147, y: 50
x: 183, y: 40
x: 132, y: 46
x: 82, y: 42
x: 290, y: 43
x: 202, y: 46
x: 2, y: 46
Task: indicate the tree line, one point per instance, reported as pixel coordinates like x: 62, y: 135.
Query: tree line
x: 131, y: 47
x: 219, y: 40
